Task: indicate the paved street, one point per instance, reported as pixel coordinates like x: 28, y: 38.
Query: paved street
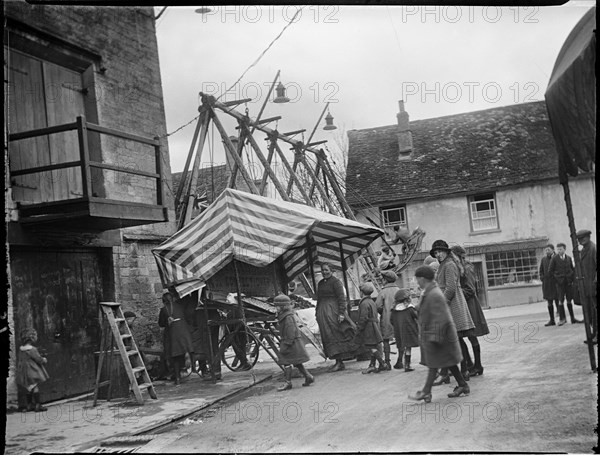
x: 537, y: 394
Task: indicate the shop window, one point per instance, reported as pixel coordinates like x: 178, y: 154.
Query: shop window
x: 507, y: 268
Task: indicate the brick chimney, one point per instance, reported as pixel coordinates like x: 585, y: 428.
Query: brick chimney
x: 405, y: 144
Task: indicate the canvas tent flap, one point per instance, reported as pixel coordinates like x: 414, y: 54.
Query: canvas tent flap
x: 571, y: 99
x: 257, y: 230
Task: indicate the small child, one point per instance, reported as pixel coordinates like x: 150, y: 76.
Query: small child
x: 30, y: 369
x: 368, y: 333
x: 291, y: 348
x: 406, y: 328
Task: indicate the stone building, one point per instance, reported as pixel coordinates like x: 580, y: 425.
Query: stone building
x: 88, y: 188
x: 486, y: 180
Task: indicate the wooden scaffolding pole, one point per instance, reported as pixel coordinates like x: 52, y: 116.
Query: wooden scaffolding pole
x: 564, y: 181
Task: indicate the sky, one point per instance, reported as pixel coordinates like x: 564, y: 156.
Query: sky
x: 361, y: 60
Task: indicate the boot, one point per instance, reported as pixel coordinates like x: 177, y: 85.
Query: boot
x: 308, y: 378
x: 371, y: 368
x: 398, y: 365
x: 561, y: 314
x: 477, y: 369
x: 38, y: 403
x: 387, y: 351
x: 444, y: 378
x: 551, y: 313
x: 382, y: 365
x: 407, y: 366
x: 339, y: 366
x: 287, y: 385
x: 463, y: 369
x: 572, y: 314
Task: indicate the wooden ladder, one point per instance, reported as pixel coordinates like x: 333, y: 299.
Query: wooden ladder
x: 116, y: 330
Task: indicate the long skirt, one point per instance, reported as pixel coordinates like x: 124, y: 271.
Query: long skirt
x: 337, y: 338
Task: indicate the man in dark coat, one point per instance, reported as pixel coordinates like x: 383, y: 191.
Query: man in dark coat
x: 563, y: 271
x: 590, y: 277
x: 548, y: 283
x: 438, y: 336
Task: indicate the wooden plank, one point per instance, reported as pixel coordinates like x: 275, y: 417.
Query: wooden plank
x: 84, y: 155
x: 188, y: 160
x: 319, y: 185
x: 292, y: 173
x: 121, y: 134
x: 160, y: 178
x: 127, y: 170
x: 263, y: 180
x: 42, y: 132
x: 50, y: 167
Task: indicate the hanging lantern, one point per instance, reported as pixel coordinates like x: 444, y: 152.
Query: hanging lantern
x: 280, y: 98
x: 329, y: 122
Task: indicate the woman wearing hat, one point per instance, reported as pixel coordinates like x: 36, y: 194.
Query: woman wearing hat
x: 468, y: 282
x: 437, y: 336
x: 335, y: 326
x: 384, y: 303
x: 448, y: 279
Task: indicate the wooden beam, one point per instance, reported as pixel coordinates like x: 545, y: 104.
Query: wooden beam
x: 240, y: 148
x: 312, y: 144
x: 348, y: 213
x: 263, y: 181
x: 213, y: 103
x: 230, y: 149
x: 236, y: 102
x: 292, y: 133
x: 113, y: 167
x: 42, y: 131
x: 311, y: 173
x: 121, y: 134
x: 186, y: 214
x: 265, y: 164
x: 50, y: 167
x: 293, y: 177
x: 188, y: 160
x: 84, y: 156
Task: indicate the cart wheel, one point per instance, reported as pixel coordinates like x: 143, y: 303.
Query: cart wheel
x: 228, y: 356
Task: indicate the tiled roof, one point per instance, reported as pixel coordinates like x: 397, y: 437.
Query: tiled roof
x: 471, y: 152
x: 212, y: 180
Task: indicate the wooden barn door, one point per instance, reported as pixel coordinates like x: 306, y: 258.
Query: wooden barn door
x: 40, y: 94
x: 57, y: 293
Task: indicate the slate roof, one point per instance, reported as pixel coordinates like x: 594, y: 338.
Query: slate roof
x: 471, y: 152
x: 212, y: 180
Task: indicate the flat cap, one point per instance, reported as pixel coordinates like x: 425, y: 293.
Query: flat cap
x: 389, y: 276
x: 401, y: 295
x: 282, y: 300
x: 583, y: 233
x: 366, y: 288
x: 425, y: 271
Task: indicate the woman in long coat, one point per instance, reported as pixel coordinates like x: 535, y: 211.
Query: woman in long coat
x: 385, y: 302
x: 468, y: 282
x: 448, y: 279
x: 177, y: 337
x: 335, y: 326
x: 438, y: 338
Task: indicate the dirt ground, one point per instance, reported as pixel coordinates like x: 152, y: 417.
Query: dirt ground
x: 537, y: 394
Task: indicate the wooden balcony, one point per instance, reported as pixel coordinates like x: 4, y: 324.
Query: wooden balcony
x: 92, y: 208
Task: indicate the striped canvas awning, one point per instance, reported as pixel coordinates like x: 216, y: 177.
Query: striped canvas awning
x: 257, y: 230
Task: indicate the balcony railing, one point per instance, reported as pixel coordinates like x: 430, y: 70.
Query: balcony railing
x: 129, y: 213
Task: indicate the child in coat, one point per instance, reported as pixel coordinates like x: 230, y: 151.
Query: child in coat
x: 30, y: 370
x: 368, y: 333
x: 406, y: 328
x: 291, y: 348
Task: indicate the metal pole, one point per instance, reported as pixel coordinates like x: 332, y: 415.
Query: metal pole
x: 344, y: 271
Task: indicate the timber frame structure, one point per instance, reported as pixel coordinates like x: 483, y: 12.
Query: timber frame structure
x: 323, y: 189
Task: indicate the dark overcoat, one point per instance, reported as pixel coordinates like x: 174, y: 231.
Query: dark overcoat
x: 588, y: 265
x: 548, y: 282
x: 291, y: 348
x: 448, y: 279
x: 337, y: 338
x: 468, y: 283
x: 177, y: 337
x: 367, y: 327
x: 406, y: 328
x: 437, y: 332
x: 562, y: 270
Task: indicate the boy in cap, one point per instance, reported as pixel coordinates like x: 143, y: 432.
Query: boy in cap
x: 406, y: 329
x: 368, y: 333
x: 291, y: 347
x: 384, y: 304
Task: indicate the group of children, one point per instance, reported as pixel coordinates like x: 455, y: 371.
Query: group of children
x: 293, y: 353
